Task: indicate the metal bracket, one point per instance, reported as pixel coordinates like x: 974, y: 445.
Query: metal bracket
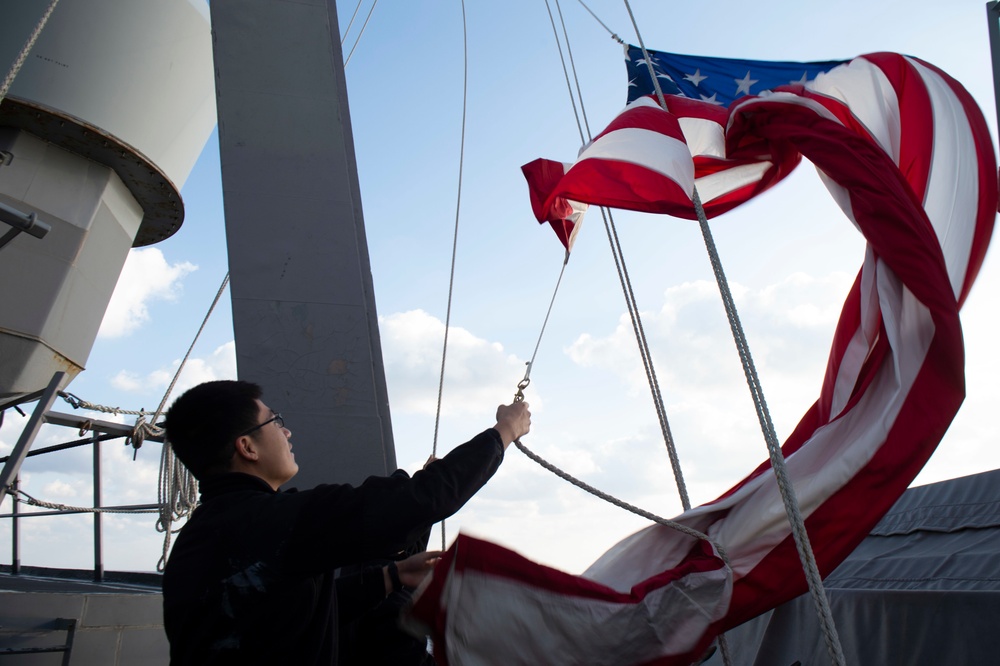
x: 13, y: 465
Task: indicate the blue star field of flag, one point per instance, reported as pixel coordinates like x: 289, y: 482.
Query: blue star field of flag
x: 715, y: 80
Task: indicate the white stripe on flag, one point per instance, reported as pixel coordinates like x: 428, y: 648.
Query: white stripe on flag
x: 652, y: 150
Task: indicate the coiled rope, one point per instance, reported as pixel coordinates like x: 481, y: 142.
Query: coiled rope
x: 177, y: 489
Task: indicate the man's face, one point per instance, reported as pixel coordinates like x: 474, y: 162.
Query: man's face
x: 276, y: 462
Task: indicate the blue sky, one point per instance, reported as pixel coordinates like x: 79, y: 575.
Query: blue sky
x: 789, y: 256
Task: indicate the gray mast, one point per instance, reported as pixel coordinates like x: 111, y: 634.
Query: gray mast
x: 303, y: 301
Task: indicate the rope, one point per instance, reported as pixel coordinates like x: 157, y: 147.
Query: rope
x: 140, y: 430
x: 454, y: 242
x: 680, y: 527
x: 610, y: 32
x: 77, y: 402
x: 806, y: 555
x: 523, y: 384
x: 28, y: 499
x: 646, y: 355
x: 569, y: 87
x: 177, y: 489
x: 358, y: 40
x: 350, y: 23
x: 801, y: 536
x: 626, y: 283
x: 23, y: 55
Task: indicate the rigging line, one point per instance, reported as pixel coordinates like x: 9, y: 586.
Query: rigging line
x: 795, y: 519
x: 626, y: 283
x: 610, y: 32
x: 28, y: 45
x: 363, y: 26
x: 572, y: 64
x: 55, y: 506
x: 454, y: 243
x: 723, y: 643
x: 555, y: 33
x: 646, y: 354
x: 801, y: 536
x: 531, y: 363
x: 173, y: 382
x: 350, y: 23
x: 680, y: 527
x: 177, y: 489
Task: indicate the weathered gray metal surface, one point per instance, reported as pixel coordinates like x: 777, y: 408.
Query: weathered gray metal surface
x: 160, y: 199
x: 65, y: 280
x: 115, y: 624
x: 304, y: 314
x: 126, y: 83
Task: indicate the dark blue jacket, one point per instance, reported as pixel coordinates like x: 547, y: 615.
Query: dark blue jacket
x: 250, y: 579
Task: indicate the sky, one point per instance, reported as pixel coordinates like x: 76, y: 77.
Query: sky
x: 790, y: 256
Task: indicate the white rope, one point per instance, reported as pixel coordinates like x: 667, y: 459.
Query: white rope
x: 25, y: 50
x: 350, y: 23
x: 680, y: 527
x: 358, y: 40
x: 454, y: 242
x: 647, y: 357
x: 177, y: 489
x: 28, y: 499
x: 140, y: 429
x: 531, y: 364
x: 623, y: 276
x: 795, y: 519
x: 610, y: 31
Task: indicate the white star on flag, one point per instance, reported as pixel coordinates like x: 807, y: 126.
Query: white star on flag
x: 744, y: 84
x: 695, y: 78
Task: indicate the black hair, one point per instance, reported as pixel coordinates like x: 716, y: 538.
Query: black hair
x: 203, y: 424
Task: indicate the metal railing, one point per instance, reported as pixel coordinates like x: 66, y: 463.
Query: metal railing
x: 100, y: 431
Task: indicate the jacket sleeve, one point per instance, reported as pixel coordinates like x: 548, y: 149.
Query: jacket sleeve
x: 342, y: 524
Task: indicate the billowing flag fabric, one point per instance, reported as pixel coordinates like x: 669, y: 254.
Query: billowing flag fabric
x: 697, y: 90
x: 905, y: 152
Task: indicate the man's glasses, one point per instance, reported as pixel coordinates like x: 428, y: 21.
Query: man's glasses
x: 276, y: 419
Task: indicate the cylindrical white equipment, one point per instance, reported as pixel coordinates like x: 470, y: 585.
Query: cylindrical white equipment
x: 98, y: 133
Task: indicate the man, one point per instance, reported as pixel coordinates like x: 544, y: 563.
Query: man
x: 250, y: 579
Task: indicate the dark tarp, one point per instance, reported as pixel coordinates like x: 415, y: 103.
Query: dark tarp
x: 922, y: 588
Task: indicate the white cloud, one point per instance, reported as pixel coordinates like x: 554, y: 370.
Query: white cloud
x: 477, y: 371
x: 61, y: 491
x: 146, y: 277
x: 220, y: 364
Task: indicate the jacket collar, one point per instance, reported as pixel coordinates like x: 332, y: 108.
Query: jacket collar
x: 231, y: 482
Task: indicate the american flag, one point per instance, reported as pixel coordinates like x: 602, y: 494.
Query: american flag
x: 718, y: 81
x: 906, y: 153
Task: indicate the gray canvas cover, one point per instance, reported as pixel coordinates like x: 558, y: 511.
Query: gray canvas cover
x: 922, y: 588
